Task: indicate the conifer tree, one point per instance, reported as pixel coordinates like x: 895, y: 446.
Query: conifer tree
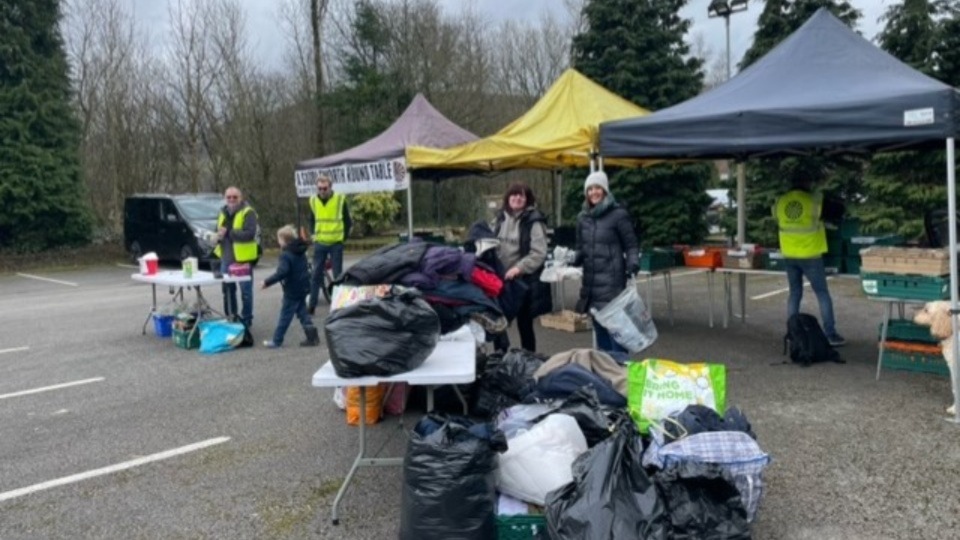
x: 636, y: 49
x: 901, y: 187
x: 42, y: 197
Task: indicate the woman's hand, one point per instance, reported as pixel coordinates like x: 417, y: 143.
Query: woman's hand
x: 512, y: 273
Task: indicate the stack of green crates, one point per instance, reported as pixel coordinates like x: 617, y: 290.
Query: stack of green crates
x: 921, y: 360
x: 845, y: 242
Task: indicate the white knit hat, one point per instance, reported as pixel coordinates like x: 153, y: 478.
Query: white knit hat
x: 596, y: 178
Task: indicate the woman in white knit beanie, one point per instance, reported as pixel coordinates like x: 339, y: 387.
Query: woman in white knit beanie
x: 608, y: 250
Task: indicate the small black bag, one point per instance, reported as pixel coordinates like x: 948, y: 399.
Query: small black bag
x: 806, y: 341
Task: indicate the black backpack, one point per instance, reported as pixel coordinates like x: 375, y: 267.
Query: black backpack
x: 806, y: 341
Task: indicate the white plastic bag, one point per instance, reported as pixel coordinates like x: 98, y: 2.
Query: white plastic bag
x: 538, y: 461
x: 628, y: 320
x: 339, y: 398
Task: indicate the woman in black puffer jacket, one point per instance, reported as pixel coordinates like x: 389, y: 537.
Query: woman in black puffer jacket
x: 607, y: 249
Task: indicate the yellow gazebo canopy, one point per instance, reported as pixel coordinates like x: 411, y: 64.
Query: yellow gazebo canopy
x: 560, y: 130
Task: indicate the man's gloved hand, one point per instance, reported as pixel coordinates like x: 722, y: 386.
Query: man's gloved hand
x: 633, y: 270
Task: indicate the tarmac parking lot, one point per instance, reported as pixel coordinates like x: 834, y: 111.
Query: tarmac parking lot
x: 108, y: 433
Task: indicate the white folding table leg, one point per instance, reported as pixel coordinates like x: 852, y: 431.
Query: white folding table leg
x: 153, y: 309
x: 362, y: 460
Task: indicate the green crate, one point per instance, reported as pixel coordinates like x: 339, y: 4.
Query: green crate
x: 906, y: 287
x: 835, y: 246
x: 657, y: 259
x: 849, y: 228
x: 904, y: 330
x: 923, y: 363
x: 850, y: 264
x: 775, y: 263
x: 186, y: 339
x: 520, y: 527
x: 854, y: 245
x: 830, y: 261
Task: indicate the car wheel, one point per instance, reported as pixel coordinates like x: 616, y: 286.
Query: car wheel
x: 136, y: 251
x: 186, y: 252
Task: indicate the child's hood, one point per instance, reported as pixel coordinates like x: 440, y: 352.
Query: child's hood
x: 297, y: 247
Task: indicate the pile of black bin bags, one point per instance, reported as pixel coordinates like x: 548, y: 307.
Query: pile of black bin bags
x: 450, y: 470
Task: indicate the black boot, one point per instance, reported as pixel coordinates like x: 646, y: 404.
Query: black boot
x: 313, y: 337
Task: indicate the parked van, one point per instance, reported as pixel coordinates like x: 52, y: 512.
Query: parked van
x: 173, y: 226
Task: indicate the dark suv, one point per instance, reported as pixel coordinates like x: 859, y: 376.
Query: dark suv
x: 173, y: 226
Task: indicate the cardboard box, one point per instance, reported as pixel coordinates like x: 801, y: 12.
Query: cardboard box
x: 566, y: 320
x: 905, y: 261
x: 747, y: 260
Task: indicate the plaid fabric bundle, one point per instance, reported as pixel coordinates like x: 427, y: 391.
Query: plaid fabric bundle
x: 735, y: 451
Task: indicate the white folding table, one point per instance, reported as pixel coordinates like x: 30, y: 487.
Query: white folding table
x: 177, y: 283
x: 451, y: 362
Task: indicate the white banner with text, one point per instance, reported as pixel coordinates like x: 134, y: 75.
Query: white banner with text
x: 388, y: 175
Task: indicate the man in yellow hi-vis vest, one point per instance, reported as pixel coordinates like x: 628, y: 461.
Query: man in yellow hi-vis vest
x: 329, y: 220
x: 237, y: 228
x: 803, y: 241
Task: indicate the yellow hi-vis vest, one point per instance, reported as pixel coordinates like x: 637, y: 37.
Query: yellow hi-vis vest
x: 242, y: 251
x: 802, y: 235
x: 328, y: 219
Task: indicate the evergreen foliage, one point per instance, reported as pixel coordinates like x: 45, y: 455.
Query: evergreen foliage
x: 636, y: 49
x: 769, y: 178
x: 367, y: 100
x: 41, y: 193
x: 901, y: 187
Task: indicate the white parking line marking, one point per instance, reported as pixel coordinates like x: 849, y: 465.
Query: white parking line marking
x: 15, y: 349
x: 127, y: 265
x: 48, y: 388
x: 31, y: 276
x: 774, y: 293
x: 689, y: 273
x: 7, y: 495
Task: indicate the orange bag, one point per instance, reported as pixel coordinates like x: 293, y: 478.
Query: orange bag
x: 374, y: 404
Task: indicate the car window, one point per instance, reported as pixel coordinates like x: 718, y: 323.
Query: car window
x: 200, y: 208
x: 168, y: 212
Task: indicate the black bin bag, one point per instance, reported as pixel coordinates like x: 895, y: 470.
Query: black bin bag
x: 610, y: 497
x: 449, y: 485
x: 505, y: 381
x: 702, y: 502
x: 382, y: 336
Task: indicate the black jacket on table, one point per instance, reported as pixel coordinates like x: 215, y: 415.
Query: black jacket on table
x: 607, y: 248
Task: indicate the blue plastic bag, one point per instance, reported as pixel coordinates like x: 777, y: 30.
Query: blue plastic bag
x: 219, y: 336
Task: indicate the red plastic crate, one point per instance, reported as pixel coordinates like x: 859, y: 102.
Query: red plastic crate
x: 703, y: 257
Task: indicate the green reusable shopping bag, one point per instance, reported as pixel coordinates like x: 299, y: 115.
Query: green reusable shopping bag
x: 657, y: 388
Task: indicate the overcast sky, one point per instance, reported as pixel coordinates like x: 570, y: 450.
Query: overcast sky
x: 267, y: 40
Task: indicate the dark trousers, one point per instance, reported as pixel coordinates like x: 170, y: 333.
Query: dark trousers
x: 288, y: 309
x: 528, y: 339
x: 320, y: 254
x: 230, y: 298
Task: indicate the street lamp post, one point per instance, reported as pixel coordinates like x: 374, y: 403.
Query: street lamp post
x: 726, y: 8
